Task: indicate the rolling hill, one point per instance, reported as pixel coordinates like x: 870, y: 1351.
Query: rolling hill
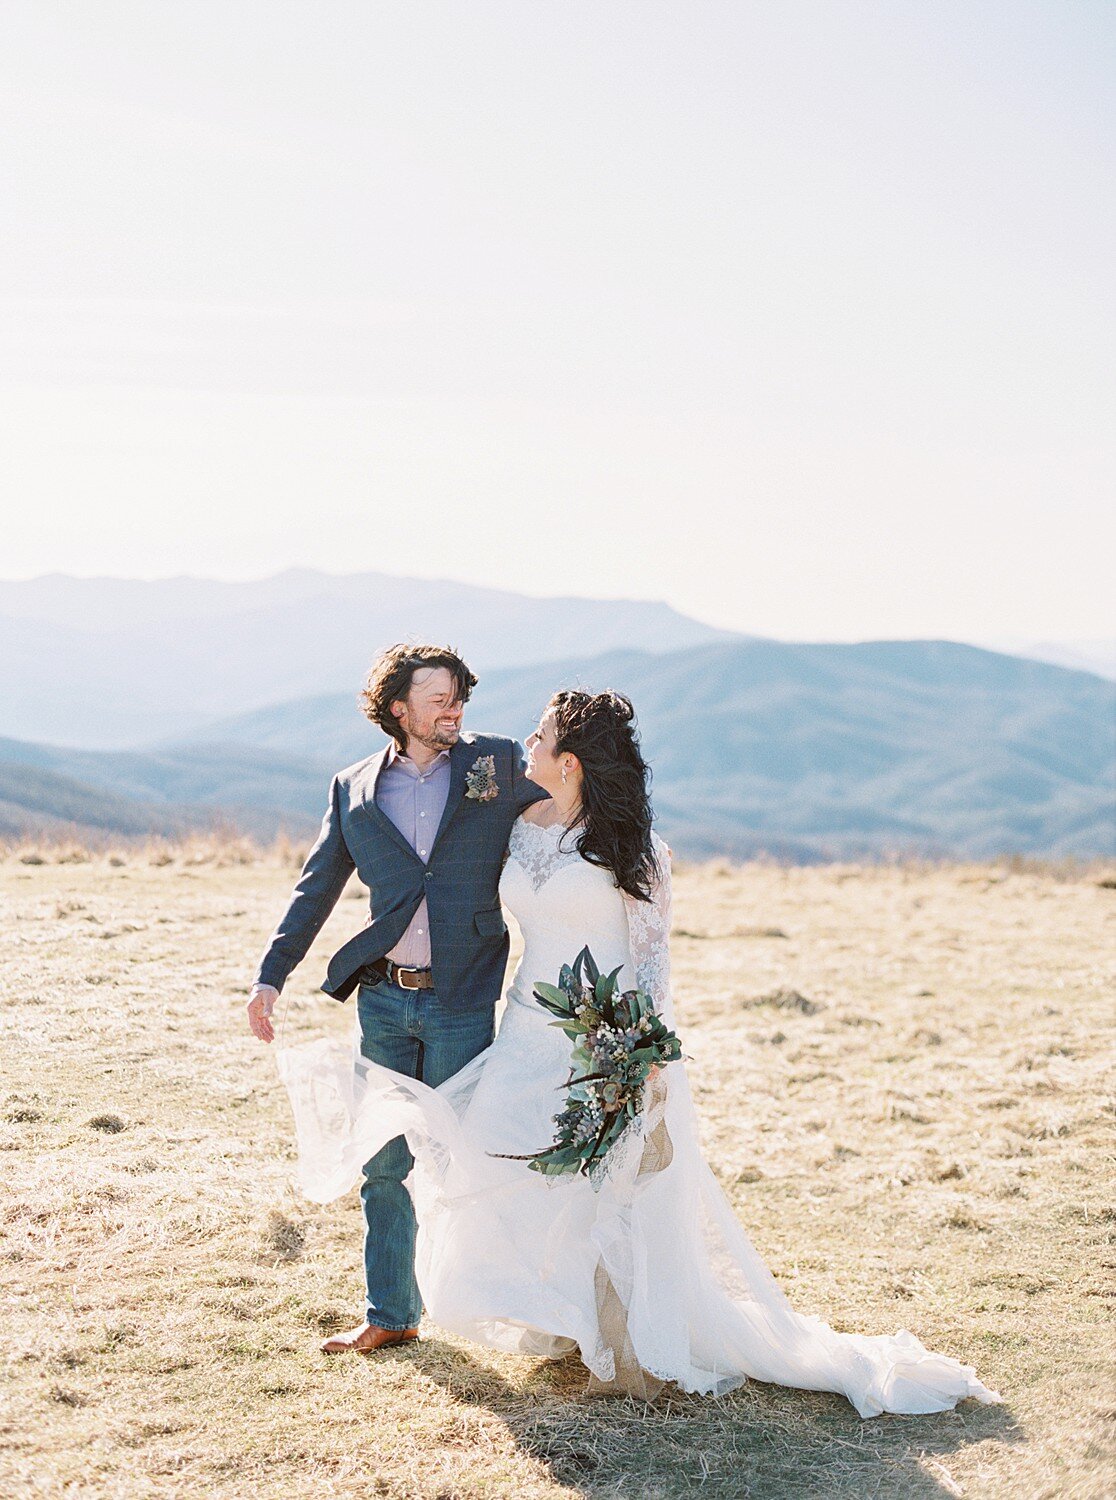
x: 52, y: 789
x: 34, y: 801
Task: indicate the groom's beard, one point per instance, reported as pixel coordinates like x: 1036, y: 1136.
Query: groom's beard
x: 439, y: 739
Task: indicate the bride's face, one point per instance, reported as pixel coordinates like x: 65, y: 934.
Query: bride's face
x: 544, y: 767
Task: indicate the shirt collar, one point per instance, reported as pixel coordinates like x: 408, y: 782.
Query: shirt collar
x: 395, y: 754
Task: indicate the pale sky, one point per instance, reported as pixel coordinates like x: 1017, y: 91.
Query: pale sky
x: 796, y: 314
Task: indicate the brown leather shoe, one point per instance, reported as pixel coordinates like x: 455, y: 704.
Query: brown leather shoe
x: 367, y: 1339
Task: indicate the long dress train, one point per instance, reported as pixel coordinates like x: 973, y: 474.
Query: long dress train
x: 648, y: 1273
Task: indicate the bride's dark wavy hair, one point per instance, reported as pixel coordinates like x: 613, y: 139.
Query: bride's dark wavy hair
x: 598, y: 728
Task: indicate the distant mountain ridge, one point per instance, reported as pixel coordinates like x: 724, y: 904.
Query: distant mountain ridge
x: 803, y: 751
x: 1096, y: 655
x: 105, y: 662
x: 817, y: 750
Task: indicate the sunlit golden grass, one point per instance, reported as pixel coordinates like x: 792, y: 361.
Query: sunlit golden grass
x: 901, y: 1072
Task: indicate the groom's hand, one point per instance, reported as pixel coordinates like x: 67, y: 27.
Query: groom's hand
x: 260, y: 1006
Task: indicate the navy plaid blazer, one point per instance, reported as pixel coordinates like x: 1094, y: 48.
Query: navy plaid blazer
x: 468, y: 935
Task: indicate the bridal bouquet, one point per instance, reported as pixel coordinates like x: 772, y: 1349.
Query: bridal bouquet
x: 618, y: 1038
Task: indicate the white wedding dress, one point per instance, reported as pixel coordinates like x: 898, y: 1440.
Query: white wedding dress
x: 647, y: 1273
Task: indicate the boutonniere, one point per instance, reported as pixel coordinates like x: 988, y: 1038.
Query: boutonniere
x: 480, y: 780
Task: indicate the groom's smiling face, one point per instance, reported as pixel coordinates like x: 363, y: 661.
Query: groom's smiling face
x: 431, y: 712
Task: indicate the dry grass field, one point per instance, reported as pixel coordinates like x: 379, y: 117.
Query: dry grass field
x: 901, y: 1073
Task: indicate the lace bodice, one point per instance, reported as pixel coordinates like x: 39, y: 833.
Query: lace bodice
x: 564, y: 903
x: 541, y: 851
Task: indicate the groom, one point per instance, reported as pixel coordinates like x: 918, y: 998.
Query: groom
x: 425, y: 824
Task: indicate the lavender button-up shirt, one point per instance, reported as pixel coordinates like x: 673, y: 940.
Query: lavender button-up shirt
x: 414, y: 800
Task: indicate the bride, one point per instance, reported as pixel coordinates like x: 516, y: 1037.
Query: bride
x: 645, y: 1271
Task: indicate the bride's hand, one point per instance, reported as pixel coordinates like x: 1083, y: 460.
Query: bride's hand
x: 260, y: 1006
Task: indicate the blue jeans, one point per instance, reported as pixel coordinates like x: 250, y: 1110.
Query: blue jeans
x: 412, y: 1032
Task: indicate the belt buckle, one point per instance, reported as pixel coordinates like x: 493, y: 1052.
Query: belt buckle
x: 399, y: 979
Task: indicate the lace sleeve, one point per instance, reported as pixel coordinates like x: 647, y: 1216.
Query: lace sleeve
x: 649, y: 935
x: 650, y: 1149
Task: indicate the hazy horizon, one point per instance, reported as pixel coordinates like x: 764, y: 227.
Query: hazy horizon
x: 1095, y: 654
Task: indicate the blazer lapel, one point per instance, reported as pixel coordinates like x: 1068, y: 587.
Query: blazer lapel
x: 368, y: 802
x: 461, y: 758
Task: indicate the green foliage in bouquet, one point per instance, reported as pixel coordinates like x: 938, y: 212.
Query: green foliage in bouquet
x: 618, y: 1037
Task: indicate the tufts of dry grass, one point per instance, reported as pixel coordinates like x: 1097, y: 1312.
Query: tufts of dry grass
x: 903, y: 1073
x: 219, y: 846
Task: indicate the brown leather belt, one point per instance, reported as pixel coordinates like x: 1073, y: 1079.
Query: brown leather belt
x: 406, y: 979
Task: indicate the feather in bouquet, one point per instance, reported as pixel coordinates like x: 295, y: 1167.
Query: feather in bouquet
x: 618, y: 1038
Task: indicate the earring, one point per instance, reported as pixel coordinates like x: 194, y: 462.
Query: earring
x: 563, y: 773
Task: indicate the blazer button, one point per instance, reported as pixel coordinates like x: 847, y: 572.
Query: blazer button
x: 429, y: 875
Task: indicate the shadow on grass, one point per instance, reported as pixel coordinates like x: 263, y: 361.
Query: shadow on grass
x: 763, y: 1442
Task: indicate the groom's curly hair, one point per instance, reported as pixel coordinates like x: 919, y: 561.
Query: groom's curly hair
x: 615, y: 779
x: 389, y: 681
